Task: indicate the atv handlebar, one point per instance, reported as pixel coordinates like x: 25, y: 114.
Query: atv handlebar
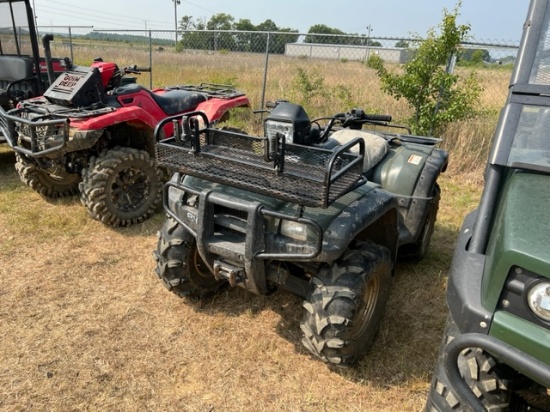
x: 377, y: 117
x: 135, y: 70
x: 353, y: 119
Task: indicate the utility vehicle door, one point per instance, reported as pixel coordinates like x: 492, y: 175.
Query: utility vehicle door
x: 19, y: 52
x: 522, y: 140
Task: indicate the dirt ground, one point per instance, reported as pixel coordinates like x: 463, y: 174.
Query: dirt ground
x: 85, y: 325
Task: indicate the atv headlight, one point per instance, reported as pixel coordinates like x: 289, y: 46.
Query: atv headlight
x: 296, y: 231
x: 538, y: 299
x: 272, y: 127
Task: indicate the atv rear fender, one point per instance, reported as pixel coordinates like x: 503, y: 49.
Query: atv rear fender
x: 216, y: 109
x: 410, y: 171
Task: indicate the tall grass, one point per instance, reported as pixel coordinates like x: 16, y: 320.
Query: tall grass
x: 324, y: 87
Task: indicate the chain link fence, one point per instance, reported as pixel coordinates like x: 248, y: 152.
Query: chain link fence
x: 326, y: 73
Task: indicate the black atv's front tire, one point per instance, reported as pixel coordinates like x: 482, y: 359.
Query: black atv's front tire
x: 479, y: 370
x: 44, y: 183
x: 121, y: 187
x: 179, y: 264
x: 346, y: 303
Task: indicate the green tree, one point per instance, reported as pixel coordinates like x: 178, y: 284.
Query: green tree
x: 280, y: 38
x: 437, y: 96
x: 244, y: 37
x: 219, y: 41
x: 474, y: 57
x: 324, y: 29
x: 402, y: 44
x: 191, y: 38
x: 268, y: 25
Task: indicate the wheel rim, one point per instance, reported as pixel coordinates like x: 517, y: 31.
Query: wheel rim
x: 366, y: 307
x: 130, y: 189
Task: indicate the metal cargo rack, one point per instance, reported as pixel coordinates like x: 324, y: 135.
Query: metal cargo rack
x: 221, y: 91
x: 305, y: 175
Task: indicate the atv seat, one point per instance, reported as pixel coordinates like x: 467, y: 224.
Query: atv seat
x: 376, y: 146
x: 16, y: 78
x: 172, y: 102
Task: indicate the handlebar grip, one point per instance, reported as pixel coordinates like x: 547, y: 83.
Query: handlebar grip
x: 142, y: 69
x: 377, y: 117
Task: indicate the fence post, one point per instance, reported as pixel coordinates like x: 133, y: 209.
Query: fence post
x: 150, y: 60
x: 266, y: 64
x: 71, y: 44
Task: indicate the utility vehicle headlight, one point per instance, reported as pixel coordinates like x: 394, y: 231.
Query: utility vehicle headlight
x: 272, y: 127
x: 296, y: 231
x: 538, y: 299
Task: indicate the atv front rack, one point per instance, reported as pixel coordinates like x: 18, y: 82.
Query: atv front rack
x: 305, y: 175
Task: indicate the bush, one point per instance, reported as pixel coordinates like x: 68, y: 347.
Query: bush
x: 374, y: 61
x: 437, y: 96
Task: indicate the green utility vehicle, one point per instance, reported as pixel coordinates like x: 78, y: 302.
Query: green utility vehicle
x: 495, y: 353
x: 317, y: 207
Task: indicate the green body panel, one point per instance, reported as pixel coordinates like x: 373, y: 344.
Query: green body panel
x: 323, y: 217
x: 400, y: 169
x: 519, y: 333
x: 521, y: 233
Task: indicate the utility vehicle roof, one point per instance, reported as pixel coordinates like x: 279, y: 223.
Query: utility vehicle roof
x: 522, y: 139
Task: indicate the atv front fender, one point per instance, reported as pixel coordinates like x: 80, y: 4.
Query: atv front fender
x: 373, y: 216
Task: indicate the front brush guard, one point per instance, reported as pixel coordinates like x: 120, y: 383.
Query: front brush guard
x: 253, y: 249
x: 502, y: 351
x: 41, y: 144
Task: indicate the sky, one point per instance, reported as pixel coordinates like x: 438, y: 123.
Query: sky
x: 490, y: 20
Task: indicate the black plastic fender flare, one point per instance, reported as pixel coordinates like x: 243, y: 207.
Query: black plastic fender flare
x: 375, y: 213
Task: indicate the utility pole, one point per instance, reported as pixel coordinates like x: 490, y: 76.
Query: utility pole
x: 369, y: 29
x: 176, y: 4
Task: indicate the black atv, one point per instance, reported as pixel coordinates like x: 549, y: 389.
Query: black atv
x: 322, y: 211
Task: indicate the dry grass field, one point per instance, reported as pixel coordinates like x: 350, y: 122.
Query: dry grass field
x: 85, y: 325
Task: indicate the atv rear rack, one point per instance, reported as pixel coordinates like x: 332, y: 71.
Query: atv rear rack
x: 309, y: 176
x: 221, y: 91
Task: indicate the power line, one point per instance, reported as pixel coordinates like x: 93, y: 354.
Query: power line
x: 86, y: 14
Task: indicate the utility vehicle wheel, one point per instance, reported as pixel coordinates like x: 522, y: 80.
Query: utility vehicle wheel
x: 179, y: 264
x: 121, y: 187
x: 346, y: 303
x: 480, y: 371
x: 44, y: 183
x: 416, y: 251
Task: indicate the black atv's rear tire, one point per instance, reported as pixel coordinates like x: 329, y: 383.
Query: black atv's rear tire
x: 179, y: 264
x: 121, y: 187
x: 346, y: 303
x: 479, y: 370
x: 416, y: 251
x: 44, y: 183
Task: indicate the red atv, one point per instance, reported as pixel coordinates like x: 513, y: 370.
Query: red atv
x: 93, y: 133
